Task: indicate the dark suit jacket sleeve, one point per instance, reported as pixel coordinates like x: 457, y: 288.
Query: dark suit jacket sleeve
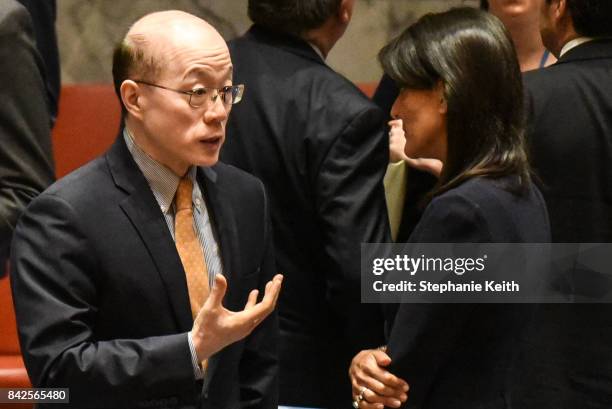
x: 423, y: 336
x: 55, y: 289
x: 26, y: 166
x: 385, y: 94
x: 43, y: 14
x: 351, y: 202
x: 259, y: 361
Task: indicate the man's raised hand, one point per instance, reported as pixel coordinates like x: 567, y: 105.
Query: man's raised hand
x: 216, y: 327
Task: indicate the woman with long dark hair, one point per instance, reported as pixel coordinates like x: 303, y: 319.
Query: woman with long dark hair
x: 461, y: 106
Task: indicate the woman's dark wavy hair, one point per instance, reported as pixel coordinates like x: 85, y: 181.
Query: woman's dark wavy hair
x: 470, y: 52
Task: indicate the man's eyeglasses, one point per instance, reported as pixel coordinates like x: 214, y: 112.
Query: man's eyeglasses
x: 231, y: 94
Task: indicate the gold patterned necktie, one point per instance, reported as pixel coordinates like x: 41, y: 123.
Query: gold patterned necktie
x: 189, y: 248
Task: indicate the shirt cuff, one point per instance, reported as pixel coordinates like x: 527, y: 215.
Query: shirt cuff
x: 197, y: 369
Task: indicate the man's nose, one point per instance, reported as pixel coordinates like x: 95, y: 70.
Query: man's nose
x: 216, y: 111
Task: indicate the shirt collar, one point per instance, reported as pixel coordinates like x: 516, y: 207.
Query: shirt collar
x: 317, y: 50
x: 574, y: 43
x: 163, y: 181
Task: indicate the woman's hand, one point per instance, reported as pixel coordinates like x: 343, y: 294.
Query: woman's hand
x: 397, y: 141
x: 433, y: 166
x: 373, y: 386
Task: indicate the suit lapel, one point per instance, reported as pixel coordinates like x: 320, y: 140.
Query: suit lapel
x: 224, y: 227
x: 141, y: 208
x: 222, y: 219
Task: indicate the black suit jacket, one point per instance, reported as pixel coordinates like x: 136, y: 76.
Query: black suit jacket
x: 570, y: 132
x: 568, y: 351
x: 386, y: 94
x: 101, y: 297
x: 461, y: 356
x: 319, y: 146
x: 26, y: 164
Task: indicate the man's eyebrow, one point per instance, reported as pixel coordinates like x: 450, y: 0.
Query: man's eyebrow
x: 201, y: 72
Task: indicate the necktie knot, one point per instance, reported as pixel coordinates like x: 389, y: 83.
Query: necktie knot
x: 183, y: 194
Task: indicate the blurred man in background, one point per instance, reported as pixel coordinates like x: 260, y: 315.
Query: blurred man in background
x: 568, y: 354
x: 26, y: 162
x: 320, y: 148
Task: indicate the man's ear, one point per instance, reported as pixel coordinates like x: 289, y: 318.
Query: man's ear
x: 345, y: 12
x: 559, y: 8
x: 130, y: 95
x: 562, y: 19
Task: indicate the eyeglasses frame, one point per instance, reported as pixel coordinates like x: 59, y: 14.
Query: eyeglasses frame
x: 194, y: 91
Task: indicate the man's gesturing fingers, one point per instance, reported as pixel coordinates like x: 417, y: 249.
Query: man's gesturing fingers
x: 252, y: 300
x: 217, y: 292
x: 216, y: 327
x: 255, y: 313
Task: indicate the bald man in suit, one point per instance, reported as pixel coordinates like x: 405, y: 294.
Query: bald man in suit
x: 128, y: 271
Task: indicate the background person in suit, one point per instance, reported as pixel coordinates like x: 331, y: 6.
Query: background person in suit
x: 457, y: 355
x: 43, y: 14
x: 26, y: 163
x: 319, y: 146
x: 113, y: 264
x: 569, y: 107
x: 568, y: 354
